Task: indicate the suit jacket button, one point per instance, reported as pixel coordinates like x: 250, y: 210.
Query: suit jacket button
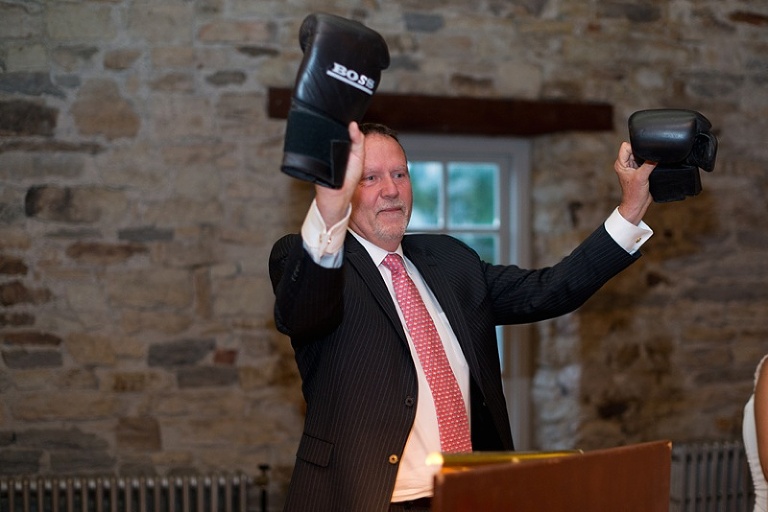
x: 394, y: 459
x: 409, y: 401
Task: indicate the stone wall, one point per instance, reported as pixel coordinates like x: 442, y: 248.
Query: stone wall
x: 139, y: 198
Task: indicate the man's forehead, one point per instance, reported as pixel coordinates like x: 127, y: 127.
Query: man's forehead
x: 384, y: 143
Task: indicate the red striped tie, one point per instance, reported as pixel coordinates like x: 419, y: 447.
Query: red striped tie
x: 451, y: 412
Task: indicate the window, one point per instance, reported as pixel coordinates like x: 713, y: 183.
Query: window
x: 460, y: 198
x: 476, y: 189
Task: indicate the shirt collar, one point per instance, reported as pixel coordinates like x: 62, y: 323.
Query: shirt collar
x: 376, y: 253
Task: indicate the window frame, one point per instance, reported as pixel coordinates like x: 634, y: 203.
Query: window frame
x: 514, y: 247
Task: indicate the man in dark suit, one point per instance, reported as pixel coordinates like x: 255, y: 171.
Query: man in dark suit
x: 371, y: 417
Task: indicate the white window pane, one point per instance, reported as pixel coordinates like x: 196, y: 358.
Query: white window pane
x: 485, y: 245
x: 427, y: 183
x: 473, y: 194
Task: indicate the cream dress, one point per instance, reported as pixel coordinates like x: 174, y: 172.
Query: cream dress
x: 749, y: 432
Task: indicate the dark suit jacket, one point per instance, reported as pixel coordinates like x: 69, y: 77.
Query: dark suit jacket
x: 358, y: 378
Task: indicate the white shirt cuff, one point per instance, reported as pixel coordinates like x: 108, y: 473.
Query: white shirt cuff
x: 322, y: 243
x: 626, y: 234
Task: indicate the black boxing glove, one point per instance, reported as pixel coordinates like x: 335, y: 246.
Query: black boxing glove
x: 335, y: 83
x: 680, y: 142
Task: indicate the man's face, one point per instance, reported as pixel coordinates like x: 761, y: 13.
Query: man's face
x: 382, y: 201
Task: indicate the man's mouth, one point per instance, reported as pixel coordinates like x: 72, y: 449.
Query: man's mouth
x: 392, y: 209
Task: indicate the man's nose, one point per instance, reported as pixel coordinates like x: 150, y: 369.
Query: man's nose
x: 389, y: 187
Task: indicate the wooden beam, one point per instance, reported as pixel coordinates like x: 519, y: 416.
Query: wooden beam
x: 412, y: 113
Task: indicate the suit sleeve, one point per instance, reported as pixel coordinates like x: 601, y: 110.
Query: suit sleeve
x: 308, y: 297
x: 523, y: 296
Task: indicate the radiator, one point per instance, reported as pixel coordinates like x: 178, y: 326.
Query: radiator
x: 205, y: 493
x: 710, y: 477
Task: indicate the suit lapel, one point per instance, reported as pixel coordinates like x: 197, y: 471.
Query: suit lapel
x: 434, y: 276
x: 361, y: 261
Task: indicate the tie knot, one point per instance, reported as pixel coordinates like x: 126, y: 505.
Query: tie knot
x: 394, y: 263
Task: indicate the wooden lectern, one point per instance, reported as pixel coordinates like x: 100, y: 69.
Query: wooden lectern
x: 634, y: 478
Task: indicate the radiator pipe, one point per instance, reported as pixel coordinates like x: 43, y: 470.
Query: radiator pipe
x: 263, y: 482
